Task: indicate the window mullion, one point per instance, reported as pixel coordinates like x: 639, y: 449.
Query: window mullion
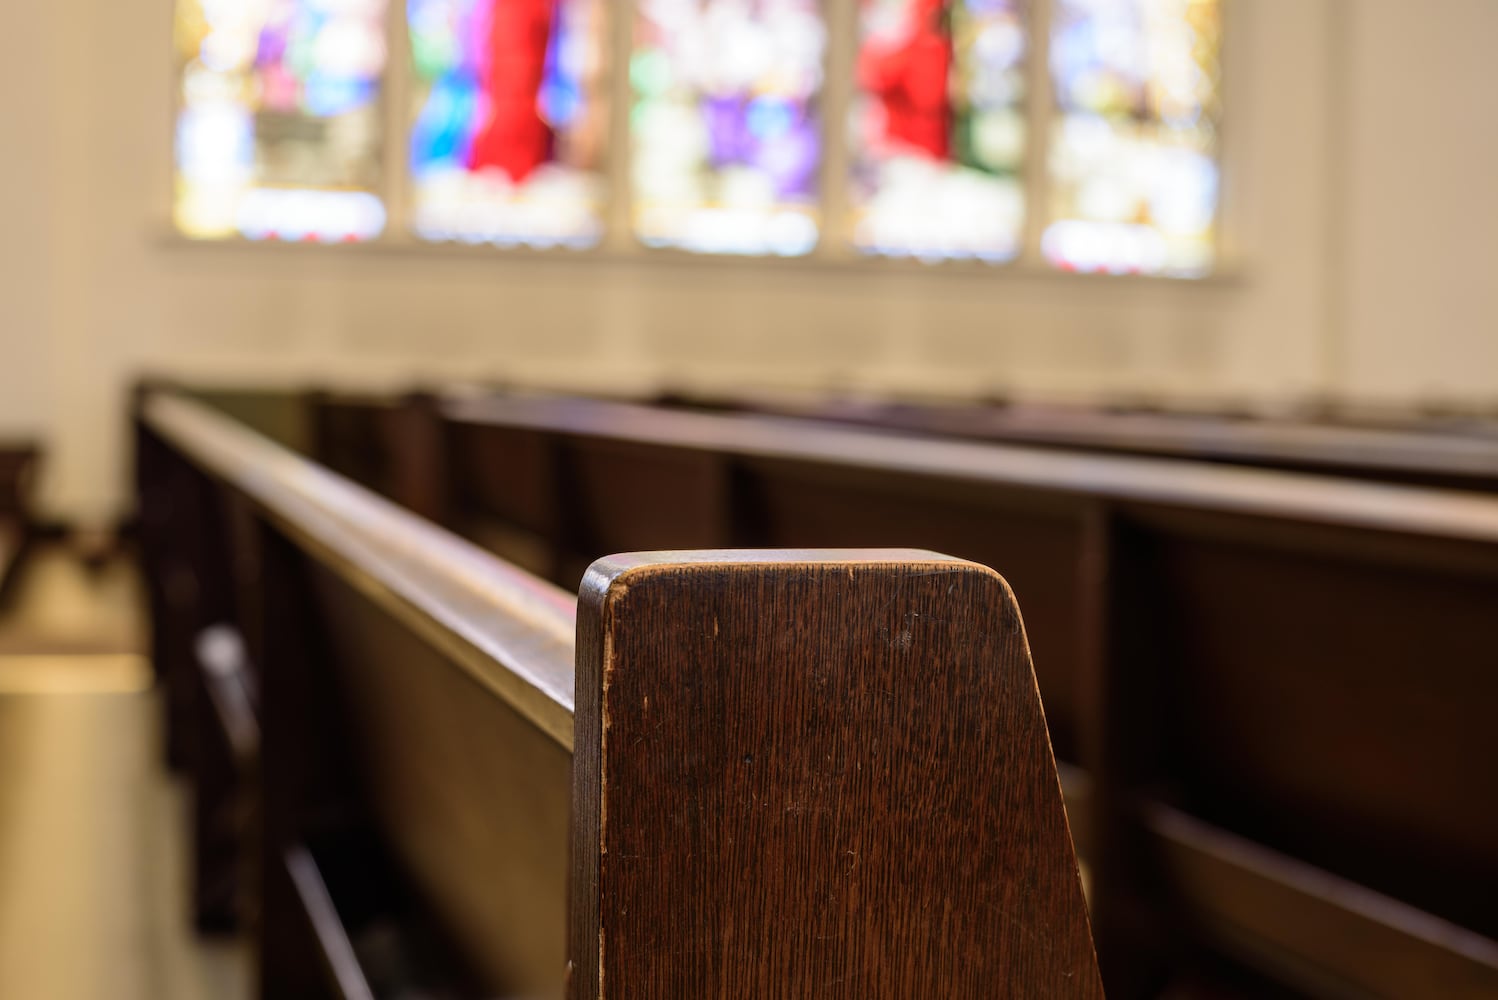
x: 1040, y: 112
x: 396, y: 117
x: 618, y: 208
x: 840, y: 18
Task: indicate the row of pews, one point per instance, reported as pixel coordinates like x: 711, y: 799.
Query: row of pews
x: 420, y: 770
x: 1271, y: 692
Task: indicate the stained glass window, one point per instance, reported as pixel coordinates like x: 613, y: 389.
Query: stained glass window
x: 283, y: 124
x: 1134, y: 174
x: 725, y: 126
x: 280, y: 130
x: 938, y: 129
x: 507, y: 142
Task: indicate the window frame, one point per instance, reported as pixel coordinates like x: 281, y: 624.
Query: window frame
x: 834, y: 249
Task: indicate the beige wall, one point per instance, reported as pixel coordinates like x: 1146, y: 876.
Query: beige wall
x: 25, y: 247
x: 1362, y: 147
x: 1420, y: 207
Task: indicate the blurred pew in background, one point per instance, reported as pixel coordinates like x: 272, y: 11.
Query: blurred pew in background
x: 1412, y: 448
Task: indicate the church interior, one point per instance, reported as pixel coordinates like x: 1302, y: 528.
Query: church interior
x: 743, y: 498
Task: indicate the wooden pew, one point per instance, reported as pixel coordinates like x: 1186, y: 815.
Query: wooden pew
x: 1453, y: 454
x: 1272, y: 686
x: 786, y: 773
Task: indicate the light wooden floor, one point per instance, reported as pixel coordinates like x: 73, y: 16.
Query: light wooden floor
x: 92, y: 852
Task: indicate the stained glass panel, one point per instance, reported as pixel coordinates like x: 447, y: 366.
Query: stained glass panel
x: 938, y: 129
x: 507, y: 142
x: 279, y: 133
x: 1134, y: 173
x: 725, y: 125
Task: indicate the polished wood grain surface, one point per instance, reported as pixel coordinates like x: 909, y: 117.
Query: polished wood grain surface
x: 851, y: 746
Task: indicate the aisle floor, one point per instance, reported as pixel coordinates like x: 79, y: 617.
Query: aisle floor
x: 92, y: 830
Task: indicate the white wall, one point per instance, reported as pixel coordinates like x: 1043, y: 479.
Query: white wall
x: 1421, y: 201
x: 1333, y: 263
x: 25, y: 248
